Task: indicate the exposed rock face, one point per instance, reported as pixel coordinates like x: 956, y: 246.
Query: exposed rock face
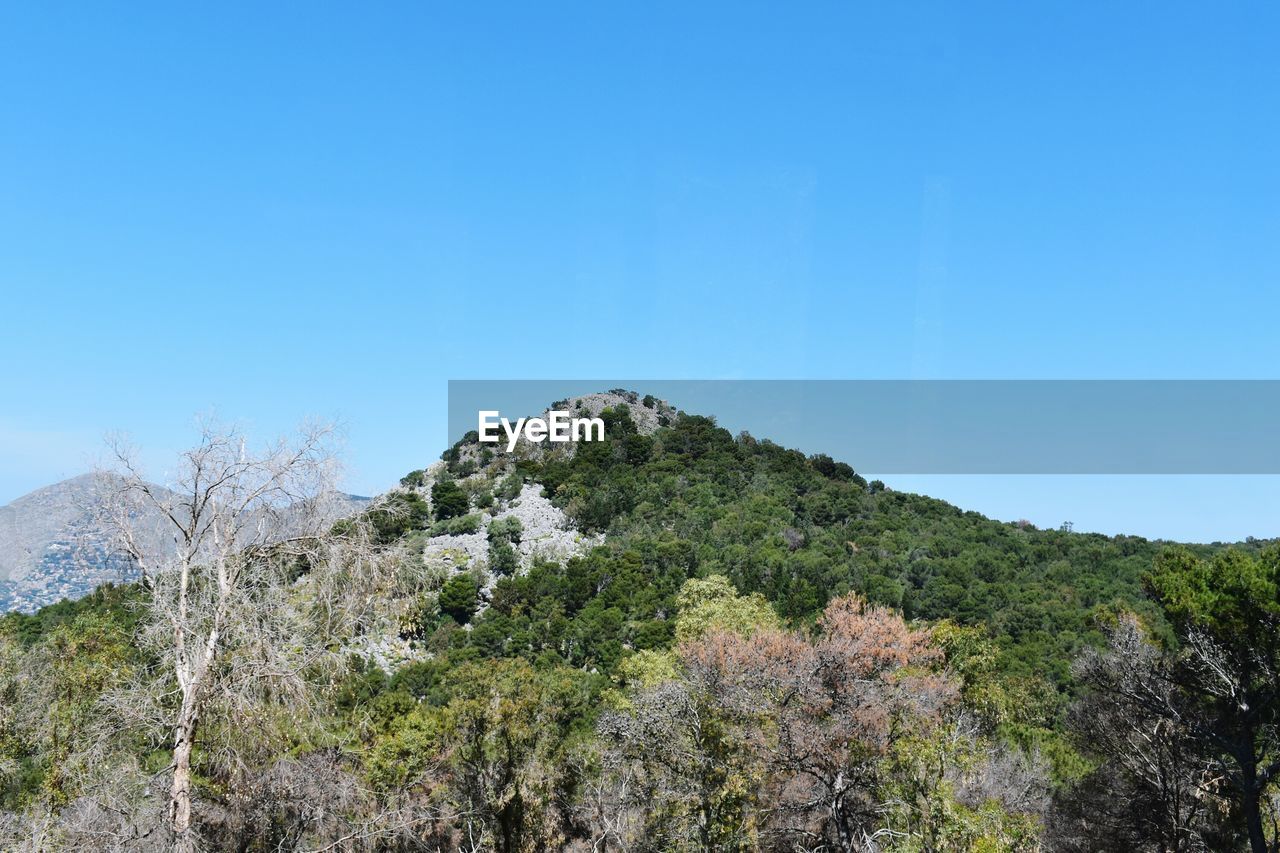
x: 546, y: 531
x: 546, y: 534
x: 646, y: 412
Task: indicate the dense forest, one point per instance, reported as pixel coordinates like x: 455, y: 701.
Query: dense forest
x: 755, y: 650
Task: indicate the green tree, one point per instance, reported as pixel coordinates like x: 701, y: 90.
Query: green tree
x: 508, y: 529
x: 448, y: 500
x: 1226, y: 613
x: 503, y: 559
x: 396, y: 515
x: 712, y: 604
x: 83, y: 659
x: 460, y: 597
x: 495, y: 751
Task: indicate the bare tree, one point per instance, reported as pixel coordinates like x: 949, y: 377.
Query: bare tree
x: 242, y: 526
x: 1164, y: 787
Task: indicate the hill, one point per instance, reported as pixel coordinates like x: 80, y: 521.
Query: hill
x: 672, y: 639
x: 803, y: 530
x: 52, y: 546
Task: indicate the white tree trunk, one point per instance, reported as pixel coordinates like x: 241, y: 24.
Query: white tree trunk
x: 180, y: 793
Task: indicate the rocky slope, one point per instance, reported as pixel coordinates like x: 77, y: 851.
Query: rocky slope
x: 540, y: 529
x: 52, y: 546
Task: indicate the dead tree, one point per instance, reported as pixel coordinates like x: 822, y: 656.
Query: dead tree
x: 238, y: 527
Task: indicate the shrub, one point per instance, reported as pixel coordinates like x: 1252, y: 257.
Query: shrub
x: 503, y: 559
x: 505, y: 530
x: 414, y: 479
x: 397, y: 515
x: 448, y: 500
x: 460, y: 597
x: 456, y: 526
x: 510, y: 487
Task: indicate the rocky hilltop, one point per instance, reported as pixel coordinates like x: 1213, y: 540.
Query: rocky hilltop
x: 53, y: 546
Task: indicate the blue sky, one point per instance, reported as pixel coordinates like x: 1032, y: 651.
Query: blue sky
x: 330, y: 210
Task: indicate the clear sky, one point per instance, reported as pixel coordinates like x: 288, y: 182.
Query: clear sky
x: 329, y: 210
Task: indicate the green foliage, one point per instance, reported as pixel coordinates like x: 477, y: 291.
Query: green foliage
x: 588, y: 610
x: 831, y: 469
x: 925, y: 811
x: 503, y: 559
x: 646, y: 669
x: 362, y: 684
x: 503, y: 725
x: 801, y: 530
x: 422, y: 680
x: 456, y: 526
x: 506, y: 530
x: 503, y: 534
x: 714, y: 605
x: 1234, y: 597
x: 84, y: 658
x: 60, y: 660
x: 19, y: 773
x: 1225, y: 611
x: 398, y: 514
x: 122, y: 604
x: 460, y: 597
x: 448, y: 500
x: 711, y: 540
x: 509, y: 487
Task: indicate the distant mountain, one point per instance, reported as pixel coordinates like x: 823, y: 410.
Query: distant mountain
x: 52, y: 546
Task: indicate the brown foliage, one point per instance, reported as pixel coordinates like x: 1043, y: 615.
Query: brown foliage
x: 802, y: 724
